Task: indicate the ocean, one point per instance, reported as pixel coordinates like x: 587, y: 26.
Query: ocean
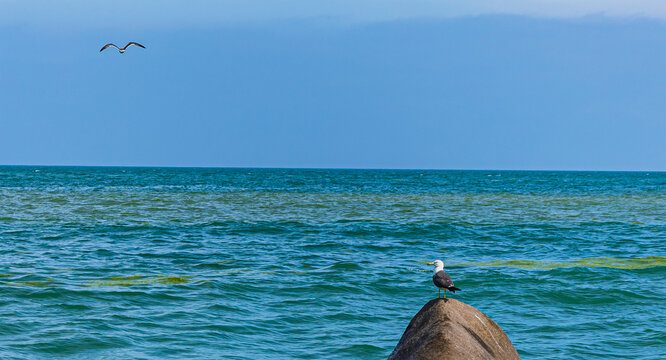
x: 217, y: 263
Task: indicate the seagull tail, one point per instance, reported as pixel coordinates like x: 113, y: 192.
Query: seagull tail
x: 453, y: 289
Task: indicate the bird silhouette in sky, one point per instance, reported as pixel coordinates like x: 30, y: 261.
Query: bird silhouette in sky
x: 123, y: 49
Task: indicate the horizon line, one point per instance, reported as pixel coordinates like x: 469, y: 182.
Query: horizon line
x: 321, y: 168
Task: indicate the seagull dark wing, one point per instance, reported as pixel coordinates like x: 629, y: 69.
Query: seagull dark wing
x: 107, y: 45
x: 133, y: 43
x: 442, y: 280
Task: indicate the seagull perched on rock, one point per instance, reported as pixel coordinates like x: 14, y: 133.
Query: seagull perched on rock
x: 441, y: 279
x: 123, y: 49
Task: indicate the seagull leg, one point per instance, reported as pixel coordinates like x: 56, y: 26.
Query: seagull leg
x: 444, y: 293
x: 439, y: 295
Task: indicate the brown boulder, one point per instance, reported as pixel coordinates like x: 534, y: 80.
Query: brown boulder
x: 450, y: 329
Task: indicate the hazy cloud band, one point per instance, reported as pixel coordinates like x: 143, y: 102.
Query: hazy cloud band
x: 151, y: 13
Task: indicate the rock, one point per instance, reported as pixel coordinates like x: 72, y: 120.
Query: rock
x: 450, y: 329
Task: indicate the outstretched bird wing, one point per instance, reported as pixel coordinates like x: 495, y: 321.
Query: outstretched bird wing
x: 133, y: 43
x: 107, y: 45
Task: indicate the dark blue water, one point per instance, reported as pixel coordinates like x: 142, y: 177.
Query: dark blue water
x: 154, y: 263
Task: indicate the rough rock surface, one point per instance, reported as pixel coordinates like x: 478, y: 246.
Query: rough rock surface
x: 450, y: 329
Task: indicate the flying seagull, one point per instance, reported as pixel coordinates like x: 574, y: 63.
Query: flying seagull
x: 441, y: 279
x: 123, y: 49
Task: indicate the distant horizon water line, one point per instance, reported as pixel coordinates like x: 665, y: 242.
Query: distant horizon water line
x: 328, y: 168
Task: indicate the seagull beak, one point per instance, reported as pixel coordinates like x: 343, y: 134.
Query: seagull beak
x: 430, y: 264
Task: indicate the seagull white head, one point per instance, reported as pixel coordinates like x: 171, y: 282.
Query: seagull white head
x: 439, y: 265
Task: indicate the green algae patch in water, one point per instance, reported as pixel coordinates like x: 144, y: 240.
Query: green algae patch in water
x: 131, y: 277
x: 37, y: 283
x: 137, y: 280
x: 603, y: 262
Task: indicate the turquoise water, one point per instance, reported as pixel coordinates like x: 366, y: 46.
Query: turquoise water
x: 154, y: 263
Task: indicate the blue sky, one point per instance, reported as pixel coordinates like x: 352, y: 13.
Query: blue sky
x: 395, y: 84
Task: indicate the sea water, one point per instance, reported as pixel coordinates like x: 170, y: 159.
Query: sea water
x: 157, y: 263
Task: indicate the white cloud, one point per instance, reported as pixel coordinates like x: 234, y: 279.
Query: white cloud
x: 160, y: 13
